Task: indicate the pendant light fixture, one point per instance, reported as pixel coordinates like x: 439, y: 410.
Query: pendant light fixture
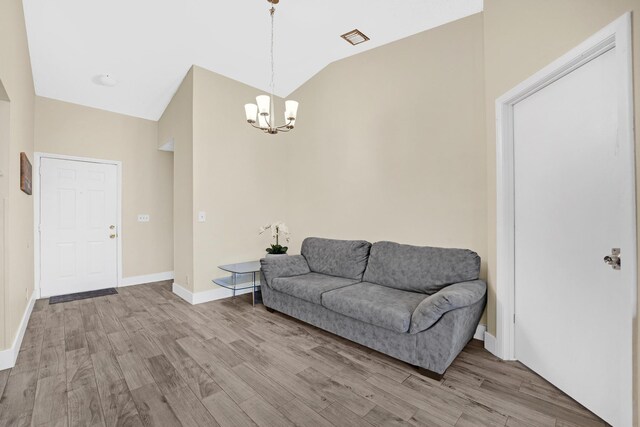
x: 263, y: 111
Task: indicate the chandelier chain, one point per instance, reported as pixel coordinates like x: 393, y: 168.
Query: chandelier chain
x: 273, y: 79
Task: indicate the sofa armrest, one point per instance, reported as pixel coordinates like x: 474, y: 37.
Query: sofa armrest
x: 283, y: 266
x: 458, y: 295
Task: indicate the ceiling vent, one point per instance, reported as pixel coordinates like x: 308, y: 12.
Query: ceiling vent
x: 355, y: 37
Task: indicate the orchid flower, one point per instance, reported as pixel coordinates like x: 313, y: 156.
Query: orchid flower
x: 278, y: 230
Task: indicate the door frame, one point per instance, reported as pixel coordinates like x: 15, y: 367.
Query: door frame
x: 615, y: 35
x: 38, y: 156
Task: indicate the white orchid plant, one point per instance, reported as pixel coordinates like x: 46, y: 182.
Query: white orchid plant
x: 279, y: 230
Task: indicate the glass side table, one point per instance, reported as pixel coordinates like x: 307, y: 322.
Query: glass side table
x: 244, y: 275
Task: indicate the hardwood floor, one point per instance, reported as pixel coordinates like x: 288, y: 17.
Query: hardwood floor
x: 145, y: 357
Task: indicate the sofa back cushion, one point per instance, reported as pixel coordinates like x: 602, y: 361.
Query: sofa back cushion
x: 341, y: 258
x: 420, y: 269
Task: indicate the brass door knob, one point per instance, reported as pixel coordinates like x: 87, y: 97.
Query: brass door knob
x: 113, y: 236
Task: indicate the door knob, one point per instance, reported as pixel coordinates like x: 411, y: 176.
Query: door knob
x: 111, y: 227
x: 614, y: 259
x: 113, y: 236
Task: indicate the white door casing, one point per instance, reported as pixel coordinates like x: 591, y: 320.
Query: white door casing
x: 544, y: 189
x: 5, y: 113
x: 78, y: 214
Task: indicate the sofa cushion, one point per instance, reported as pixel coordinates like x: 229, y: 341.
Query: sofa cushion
x: 420, y: 269
x: 341, y: 258
x: 309, y: 287
x: 379, y: 305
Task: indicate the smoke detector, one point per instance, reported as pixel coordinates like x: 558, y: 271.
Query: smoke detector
x: 105, y: 80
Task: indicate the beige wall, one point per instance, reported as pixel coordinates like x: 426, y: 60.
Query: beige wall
x: 147, y: 173
x: 223, y: 167
x: 521, y: 37
x: 239, y: 177
x: 16, y: 77
x: 177, y: 123
x: 390, y: 144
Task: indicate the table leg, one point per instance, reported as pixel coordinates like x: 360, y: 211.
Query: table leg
x: 253, y: 291
x: 233, y: 282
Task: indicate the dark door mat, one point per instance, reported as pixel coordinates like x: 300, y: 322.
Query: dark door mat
x: 82, y: 295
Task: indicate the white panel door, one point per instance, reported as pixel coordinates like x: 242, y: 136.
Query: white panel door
x: 573, y: 204
x: 78, y: 226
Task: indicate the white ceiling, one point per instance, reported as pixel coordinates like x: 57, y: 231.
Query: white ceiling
x: 149, y: 45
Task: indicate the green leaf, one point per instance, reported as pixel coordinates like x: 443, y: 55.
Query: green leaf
x: 277, y: 250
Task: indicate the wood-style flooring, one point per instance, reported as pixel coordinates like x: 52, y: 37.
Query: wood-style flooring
x: 145, y: 357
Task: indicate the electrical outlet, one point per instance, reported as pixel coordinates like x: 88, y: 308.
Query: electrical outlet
x: 202, y: 216
x: 144, y: 218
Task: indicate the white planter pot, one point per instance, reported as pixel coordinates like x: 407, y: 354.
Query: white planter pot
x: 274, y: 255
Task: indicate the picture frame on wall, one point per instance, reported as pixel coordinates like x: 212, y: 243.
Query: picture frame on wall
x: 25, y: 174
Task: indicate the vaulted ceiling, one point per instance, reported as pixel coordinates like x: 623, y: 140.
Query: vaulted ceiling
x: 149, y: 45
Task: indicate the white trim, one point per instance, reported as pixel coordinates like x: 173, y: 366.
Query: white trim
x: 206, y: 296
x: 146, y: 278
x: 9, y: 356
x: 480, y: 331
x: 38, y: 156
x: 182, y: 293
x: 490, y: 343
x: 616, y: 35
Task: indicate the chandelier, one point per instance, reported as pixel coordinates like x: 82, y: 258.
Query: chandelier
x: 263, y: 111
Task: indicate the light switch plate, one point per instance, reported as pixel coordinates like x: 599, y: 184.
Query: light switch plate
x: 202, y: 216
x: 144, y: 218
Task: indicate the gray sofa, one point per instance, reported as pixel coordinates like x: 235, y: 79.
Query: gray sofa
x: 417, y: 304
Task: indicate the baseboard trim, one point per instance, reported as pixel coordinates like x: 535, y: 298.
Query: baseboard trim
x: 9, y: 356
x: 182, y: 293
x: 146, y: 278
x: 480, y: 331
x: 205, y: 296
x: 490, y: 344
